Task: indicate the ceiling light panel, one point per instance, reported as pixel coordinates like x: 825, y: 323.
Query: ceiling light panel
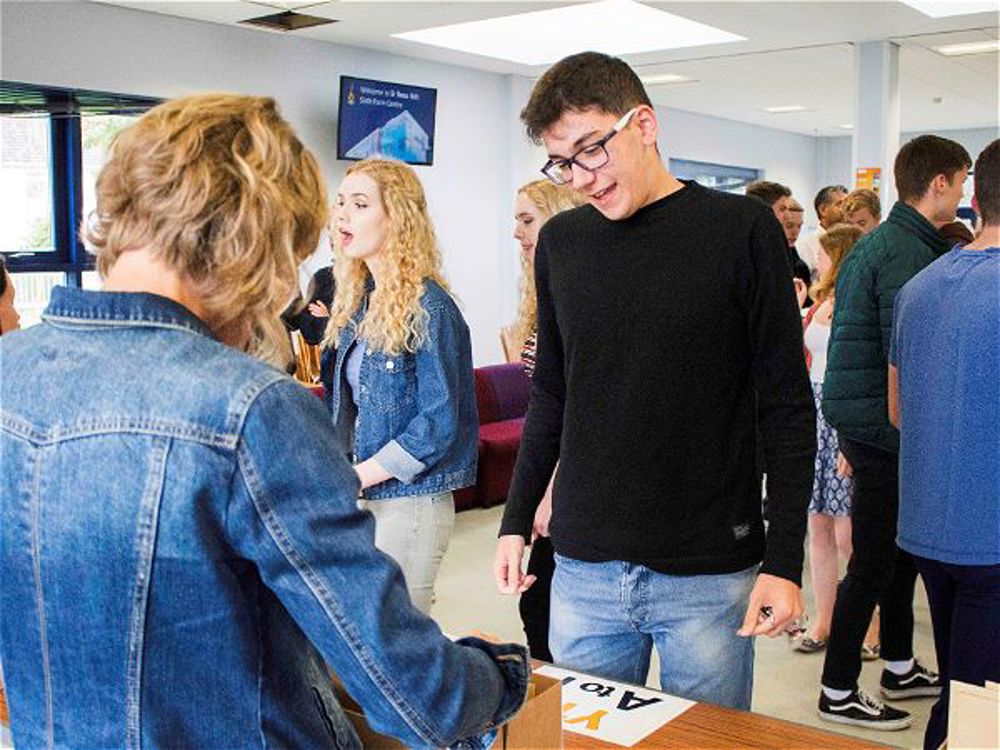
x: 615, y: 27
x: 664, y: 78
x: 944, y: 8
x: 786, y: 108
x: 969, y: 48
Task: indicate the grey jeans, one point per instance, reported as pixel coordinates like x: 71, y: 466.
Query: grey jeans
x: 415, y: 531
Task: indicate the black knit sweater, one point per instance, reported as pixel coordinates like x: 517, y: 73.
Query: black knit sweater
x: 666, y: 343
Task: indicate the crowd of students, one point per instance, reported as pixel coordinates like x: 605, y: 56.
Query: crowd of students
x: 196, y: 539
x: 856, y: 466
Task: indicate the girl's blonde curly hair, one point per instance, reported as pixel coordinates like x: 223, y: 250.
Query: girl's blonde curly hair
x: 394, y: 320
x: 220, y: 189
x: 549, y: 199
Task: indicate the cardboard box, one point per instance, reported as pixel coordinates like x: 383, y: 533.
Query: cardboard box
x: 974, y: 716
x: 370, y: 739
x: 537, y: 725
x: 539, y: 722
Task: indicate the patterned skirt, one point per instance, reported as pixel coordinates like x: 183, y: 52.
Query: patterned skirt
x: 831, y: 493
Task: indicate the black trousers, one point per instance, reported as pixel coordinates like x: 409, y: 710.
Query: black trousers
x: 535, y: 602
x: 878, y: 572
x: 965, y: 614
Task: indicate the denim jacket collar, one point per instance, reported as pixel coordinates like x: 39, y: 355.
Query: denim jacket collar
x: 69, y: 305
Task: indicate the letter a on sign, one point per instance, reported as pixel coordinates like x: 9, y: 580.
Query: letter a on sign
x: 630, y: 701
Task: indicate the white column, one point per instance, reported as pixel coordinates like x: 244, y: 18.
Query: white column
x: 875, y: 140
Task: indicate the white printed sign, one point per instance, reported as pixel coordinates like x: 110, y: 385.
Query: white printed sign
x: 612, y: 711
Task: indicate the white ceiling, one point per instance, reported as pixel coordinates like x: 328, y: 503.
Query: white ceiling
x: 794, y: 53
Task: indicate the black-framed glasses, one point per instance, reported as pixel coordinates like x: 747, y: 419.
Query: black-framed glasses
x: 590, y: 158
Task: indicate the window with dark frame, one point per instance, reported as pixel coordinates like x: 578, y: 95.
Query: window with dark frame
x: 724, y: 177
x: 53, y: 143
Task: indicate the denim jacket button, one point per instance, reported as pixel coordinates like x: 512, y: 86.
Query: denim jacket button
x: 390, y: 365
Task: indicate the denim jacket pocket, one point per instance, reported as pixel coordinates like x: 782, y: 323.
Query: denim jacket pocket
x: 393, y: 380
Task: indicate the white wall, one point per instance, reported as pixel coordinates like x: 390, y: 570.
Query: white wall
x: 784, y: 157
x: 833, y: 155
x: 974, y: 139
x: 469, y: 188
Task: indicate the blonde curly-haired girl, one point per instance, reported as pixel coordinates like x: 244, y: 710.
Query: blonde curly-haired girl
x: 398, y: 368
x: 535, y: 204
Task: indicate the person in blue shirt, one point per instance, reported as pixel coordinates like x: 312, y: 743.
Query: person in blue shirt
x: 398, y: 369
x: 944, y: 361
x: 181, y: 550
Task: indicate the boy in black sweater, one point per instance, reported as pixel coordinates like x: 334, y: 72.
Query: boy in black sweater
x: 668, y: 332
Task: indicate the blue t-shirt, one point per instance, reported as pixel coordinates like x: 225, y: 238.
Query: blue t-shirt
x: 946, y: 346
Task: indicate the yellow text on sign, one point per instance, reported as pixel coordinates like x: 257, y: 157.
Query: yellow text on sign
x: 593, y: 720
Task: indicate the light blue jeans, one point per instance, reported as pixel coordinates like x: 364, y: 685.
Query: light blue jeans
x: 415, y: 531
x: 607, y: 616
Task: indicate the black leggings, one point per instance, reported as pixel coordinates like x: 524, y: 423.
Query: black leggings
x: 534, y: 604
x: 878, y: 572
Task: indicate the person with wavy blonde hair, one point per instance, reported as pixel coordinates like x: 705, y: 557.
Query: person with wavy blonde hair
x: 235, y: 238
x: 833, y: 488
x: 536, y: 203
x: 185, y: 509
x: 828, y: 261
x: 398, y: 368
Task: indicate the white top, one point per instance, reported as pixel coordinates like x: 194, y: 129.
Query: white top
x: 817, y: 339
x: 808, y: 247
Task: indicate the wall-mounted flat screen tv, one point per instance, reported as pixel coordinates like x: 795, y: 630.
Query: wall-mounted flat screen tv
x: 380, y: 118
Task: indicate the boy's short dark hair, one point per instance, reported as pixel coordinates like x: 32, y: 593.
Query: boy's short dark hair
x: 986, y: 176
x: 578, y: 82
x: 769, y: 192
x: 825, y: 195
x: 3, y: 275
x: 924, y: 158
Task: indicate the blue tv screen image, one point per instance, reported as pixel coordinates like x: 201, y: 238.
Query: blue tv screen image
x: 380, y: 118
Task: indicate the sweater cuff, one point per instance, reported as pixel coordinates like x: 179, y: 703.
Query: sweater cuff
x: 515, y: 525
x: 783, y: 567
x: 393, y: 458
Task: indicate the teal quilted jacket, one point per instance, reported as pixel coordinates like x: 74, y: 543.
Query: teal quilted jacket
x: 854, y: 390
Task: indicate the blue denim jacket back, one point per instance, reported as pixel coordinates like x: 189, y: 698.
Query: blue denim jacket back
x: 417, y: 411
x: 181, y: 549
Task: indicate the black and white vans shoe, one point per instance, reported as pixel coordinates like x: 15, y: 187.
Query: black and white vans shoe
x: 861, y: 710
x: 919, y: 682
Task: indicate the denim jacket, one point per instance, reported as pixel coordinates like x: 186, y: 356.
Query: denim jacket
x: 416, y: 414
x: 181, y: 550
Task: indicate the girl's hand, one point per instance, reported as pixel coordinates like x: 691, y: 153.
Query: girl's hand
x: 843, y: 466
x: 370, y: 472
x: 318, y: 310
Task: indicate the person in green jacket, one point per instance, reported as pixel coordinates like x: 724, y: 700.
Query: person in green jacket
x: 930, y: 172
